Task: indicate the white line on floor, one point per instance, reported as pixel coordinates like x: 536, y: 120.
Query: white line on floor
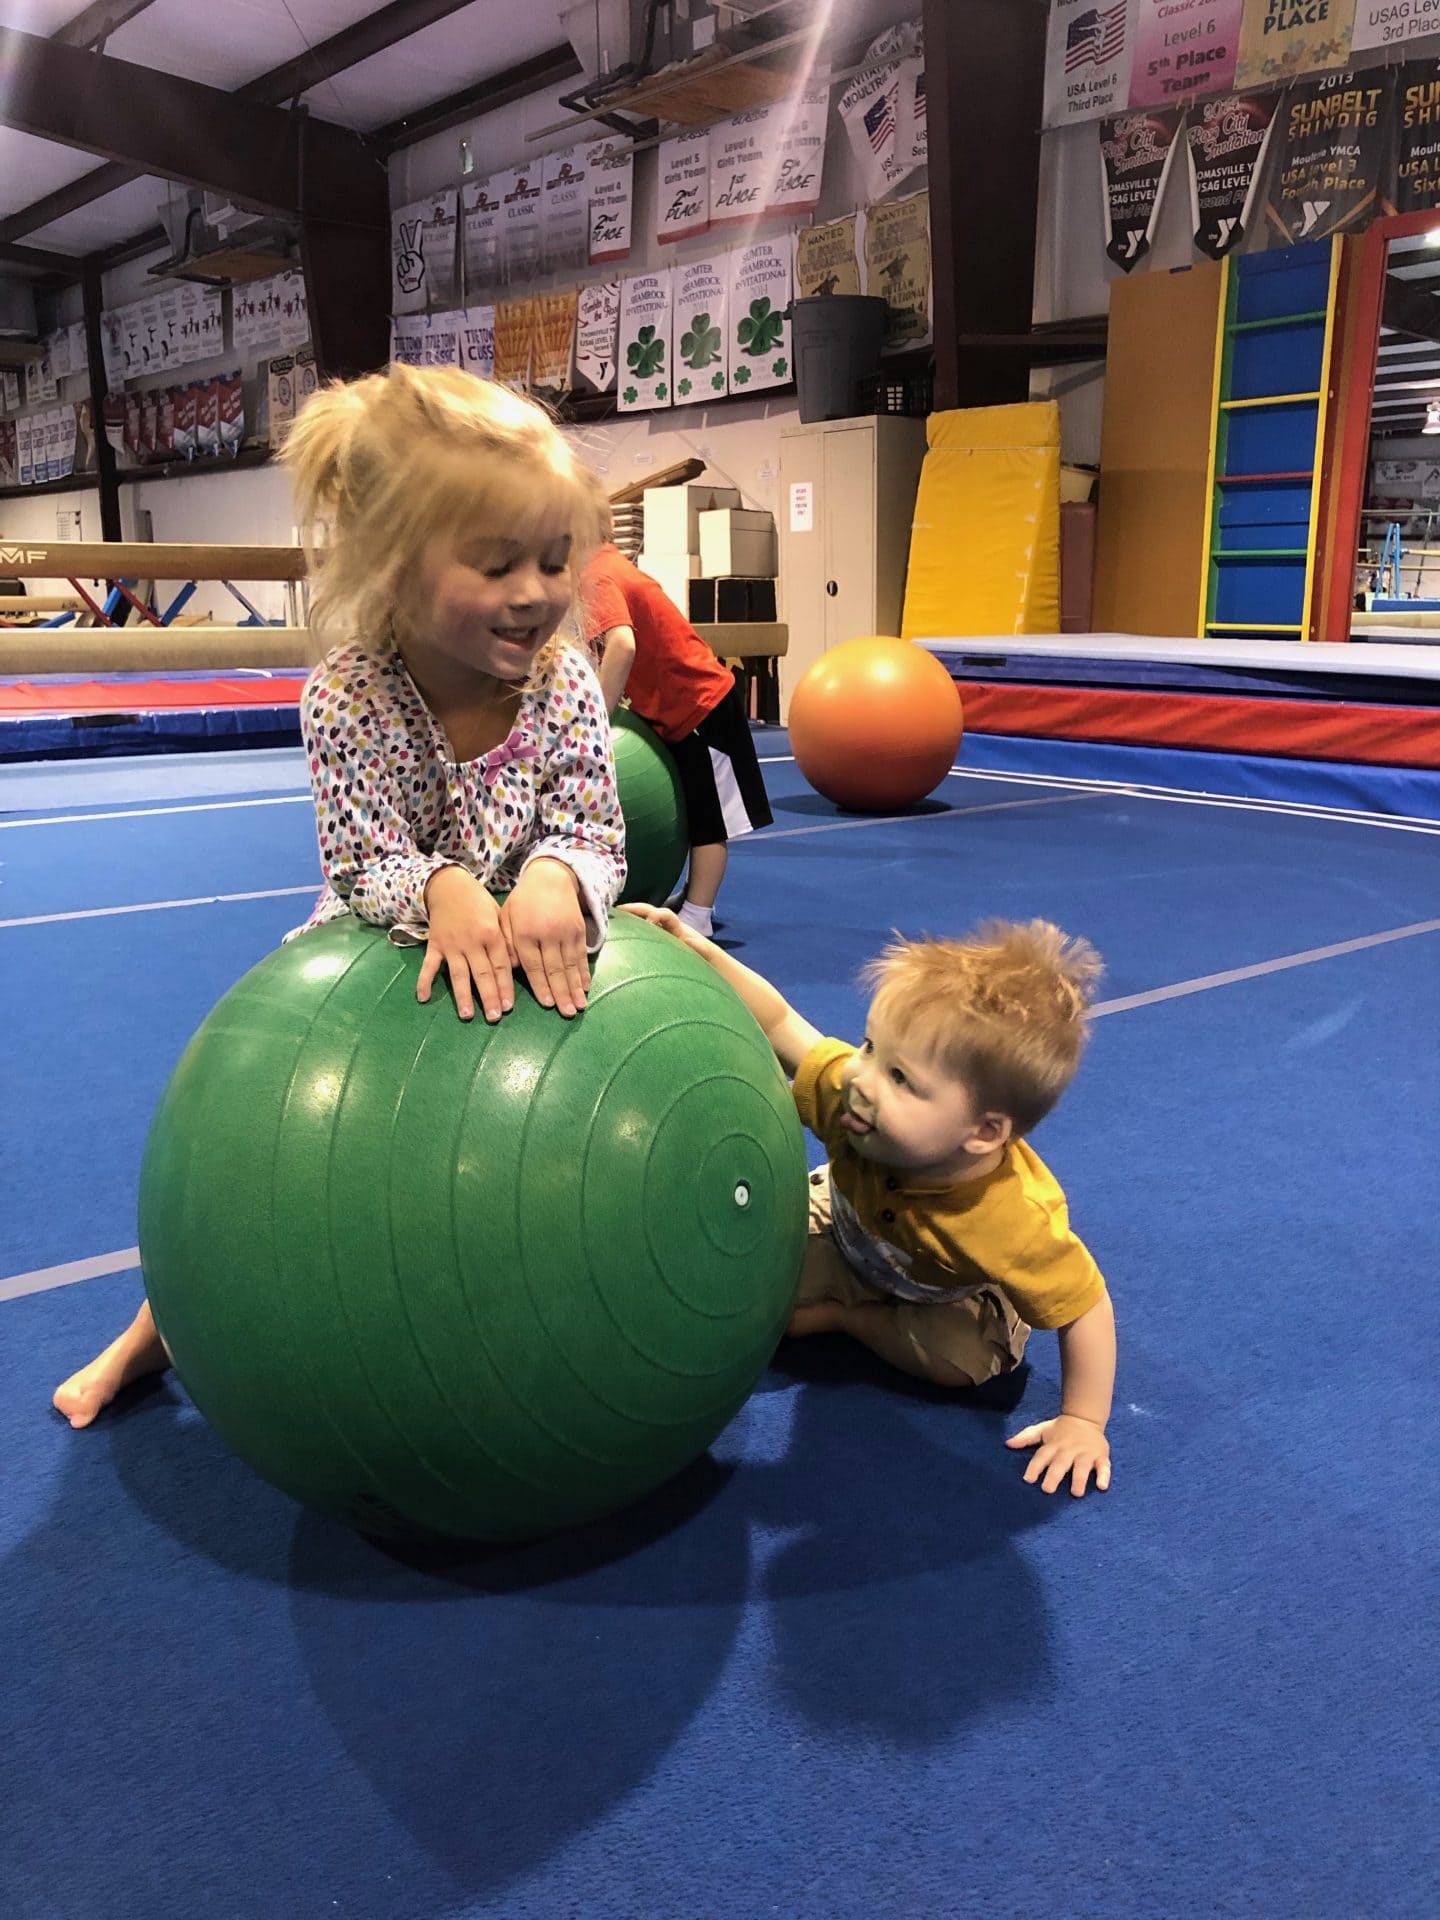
x: 160, y: 906
x: 1203, y: 982
x: 148, y: 813
x: 1185, y: 796
x: 913, y: 819
x: 43, y: 1278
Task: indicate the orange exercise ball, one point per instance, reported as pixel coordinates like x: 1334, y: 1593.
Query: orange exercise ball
x: 875, y: 724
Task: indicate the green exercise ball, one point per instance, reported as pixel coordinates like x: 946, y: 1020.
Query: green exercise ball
x: 656, y: 831
x: 475, y: 1282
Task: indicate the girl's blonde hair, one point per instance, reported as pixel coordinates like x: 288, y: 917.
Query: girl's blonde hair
x: 384, y: 465
x: 1002, y: 1011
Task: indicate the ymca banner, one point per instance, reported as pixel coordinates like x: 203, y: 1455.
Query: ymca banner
x: 1333, y: 157
x: 1184, y: 48
x: 1282, y: 38
x: 1088, y: 50
x: 1417, y: 179
x: 597, y: 323
x: 1136, y: 150
x: 1227, y: 142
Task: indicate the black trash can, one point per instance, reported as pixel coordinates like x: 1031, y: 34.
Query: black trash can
x: 836, y: 339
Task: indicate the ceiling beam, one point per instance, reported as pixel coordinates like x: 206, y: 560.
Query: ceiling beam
x: 376, y: 33
x: 96, y: 24
x: 39, y: 260
x: 362, y: 41
x: 176, y: 128
x: 548, y: 69
x: 54, y: 206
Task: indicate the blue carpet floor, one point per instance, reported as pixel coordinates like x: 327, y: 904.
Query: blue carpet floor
x: 848, y: 1665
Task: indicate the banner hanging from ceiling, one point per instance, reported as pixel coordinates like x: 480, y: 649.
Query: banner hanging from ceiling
x: 1088, y: 55
x: 1136, y: 150
x: 1281, y: 39
x: 1183, y: 49
x: 1227, y: 141
x: 1333, y: 156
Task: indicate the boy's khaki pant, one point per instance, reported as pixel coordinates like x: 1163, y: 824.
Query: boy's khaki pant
x: 956, y: 1343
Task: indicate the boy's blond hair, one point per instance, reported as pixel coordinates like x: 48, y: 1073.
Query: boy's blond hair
x: 1003, y: 1011
x: 384, y: 465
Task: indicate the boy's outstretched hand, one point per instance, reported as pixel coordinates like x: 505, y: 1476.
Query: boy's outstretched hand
x: 665, y: 920
x: 1067, y: 1444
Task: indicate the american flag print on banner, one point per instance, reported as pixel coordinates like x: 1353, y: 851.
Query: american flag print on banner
x: 879, y: 122
x: 876, y: 112
x: 1089, y: 51
x: 1096, y: 37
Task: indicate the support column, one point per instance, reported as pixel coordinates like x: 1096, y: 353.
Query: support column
x: 985, y: 84
x: 99, y: 388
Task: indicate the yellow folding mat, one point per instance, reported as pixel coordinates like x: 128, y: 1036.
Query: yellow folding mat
x: 985, y: 545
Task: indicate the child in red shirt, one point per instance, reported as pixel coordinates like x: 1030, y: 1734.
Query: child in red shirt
x: 653, y: 656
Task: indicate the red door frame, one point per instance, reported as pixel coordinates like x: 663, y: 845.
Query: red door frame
x: 1352, y: 419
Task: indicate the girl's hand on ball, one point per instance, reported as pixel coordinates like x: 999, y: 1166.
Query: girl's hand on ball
x: 545, y: 927
x: 467, y: 938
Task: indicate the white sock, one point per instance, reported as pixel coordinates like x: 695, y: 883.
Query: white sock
x: 700, y: 918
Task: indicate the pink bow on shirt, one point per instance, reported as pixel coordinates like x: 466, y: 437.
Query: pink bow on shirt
x: 515, y: 748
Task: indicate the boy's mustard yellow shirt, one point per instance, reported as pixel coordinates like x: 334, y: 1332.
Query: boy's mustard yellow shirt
x: 1010, y: 1228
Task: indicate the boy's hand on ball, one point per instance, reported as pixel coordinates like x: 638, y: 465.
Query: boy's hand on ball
x: 672, y: 924
x: 660, y: 917
x: 467, y: 939
x: 1066, y: 1445
x: 545, y: 926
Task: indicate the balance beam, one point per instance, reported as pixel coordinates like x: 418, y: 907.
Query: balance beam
x: 153, y: 649
x: 146, y: 560
x: 12, y: 604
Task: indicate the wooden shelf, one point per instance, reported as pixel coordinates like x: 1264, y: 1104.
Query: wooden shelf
x: 1259, y: 553
x: 188, y: 469
x: 170, y: 470
x: 77, y: 483
x: 1247, y: 626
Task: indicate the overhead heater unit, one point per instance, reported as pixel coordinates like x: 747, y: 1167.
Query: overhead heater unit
x: 220, y: 244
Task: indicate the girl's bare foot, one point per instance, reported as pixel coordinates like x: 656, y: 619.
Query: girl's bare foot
x: 138, y: 1351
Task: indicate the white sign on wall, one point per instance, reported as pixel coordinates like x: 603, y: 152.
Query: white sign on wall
x: 702, y: 368
x: 759, y: 315
x: 645, y: 315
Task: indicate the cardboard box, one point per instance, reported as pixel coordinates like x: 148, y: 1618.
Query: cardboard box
x: 674, y: 572
x: 672, y: 515
x: 736, y: 542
